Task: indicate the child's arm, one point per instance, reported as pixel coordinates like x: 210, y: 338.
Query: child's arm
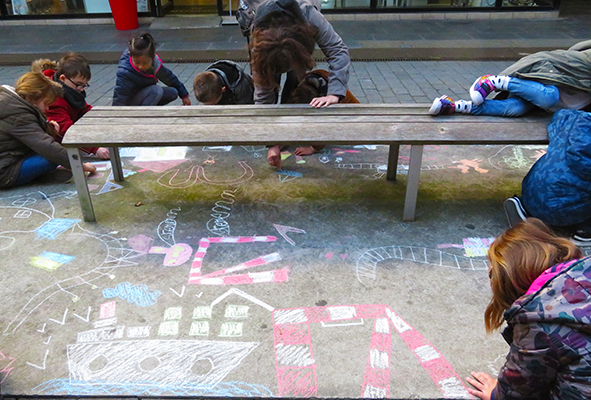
x: 58, y: 112
x: 170, y: 79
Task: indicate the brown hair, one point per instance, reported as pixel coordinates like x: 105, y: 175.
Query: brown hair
x: 34, y: 87
x: 517, y: 257
x: 72, y: 65
x: 207, y: 87
x: 43, y: 64
x: 285, y: 45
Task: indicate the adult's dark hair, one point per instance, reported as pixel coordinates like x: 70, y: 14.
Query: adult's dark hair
x: 283, y: 45
x: 72, y: 65
x: 142, y: 45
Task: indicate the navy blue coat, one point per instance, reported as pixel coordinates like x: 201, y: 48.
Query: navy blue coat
x: 131, y: 80
x: 557, y: 189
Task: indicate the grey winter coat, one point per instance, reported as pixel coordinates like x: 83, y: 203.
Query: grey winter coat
x: 570, y: 67
x: 24, y: 132
x: 331, y: 44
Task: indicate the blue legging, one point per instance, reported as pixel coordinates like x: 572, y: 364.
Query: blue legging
x: 33, y: 167
x: 523, y: 96
x: 154, y: 95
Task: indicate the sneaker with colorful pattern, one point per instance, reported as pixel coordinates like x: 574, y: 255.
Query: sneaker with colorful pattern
x: 481, y: 88
x: 443, y: 105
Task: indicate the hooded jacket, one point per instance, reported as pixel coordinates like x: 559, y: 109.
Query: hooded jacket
x: 64, y: 113
x: 570, y: 67
x: 24, y: 132
x: 557, y: 189
x: 131, y: 80
x: 238, y: 84
x: 549, y: 331
x: 255, y: 13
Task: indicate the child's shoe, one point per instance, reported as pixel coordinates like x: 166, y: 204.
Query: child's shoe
x: 445, y: 105
x: 514, y: 211
x: 485, y: 85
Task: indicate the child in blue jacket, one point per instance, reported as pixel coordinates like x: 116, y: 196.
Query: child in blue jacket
x: 139, y: 70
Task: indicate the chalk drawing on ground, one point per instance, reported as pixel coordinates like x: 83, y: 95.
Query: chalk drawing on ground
x: 117, y: 256
x: 223, y: 277
x: 474, y: 247
x: 167, y: 228
x: 42, y: 366
x: 366, y: 268
x: 283, y: 232
x: 175, y: 255
x: 218, y: 225
x: 196, y: 173
x: 296, y: 366
x: 5, y: 366
x: 514, y: 157
x: 156, y: 362
x: 286, y: 175
x: 140, y: 295
x: 87, y: 318
x: 465, y: 165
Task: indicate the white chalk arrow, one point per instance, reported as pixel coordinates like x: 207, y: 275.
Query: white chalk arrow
x: 42, y: 330
x: 47, y: 341
x: 63, y: 321
x: 181, y: 294
x: 87, y: 315
x: 44, y: 359
x: 199, y: 295
x: 283, y: 232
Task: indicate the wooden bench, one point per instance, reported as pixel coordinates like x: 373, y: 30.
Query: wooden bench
x: 350, y: 124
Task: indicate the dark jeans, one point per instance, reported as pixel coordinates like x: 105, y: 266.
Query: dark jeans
x: 154, y: 96
x: 32, y: 168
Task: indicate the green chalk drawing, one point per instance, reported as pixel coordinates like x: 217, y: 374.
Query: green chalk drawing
x: 234, y: 311
x: 173, y: 313
x: 231, y: 329
x: 202, y: 312
x: 168, y: 328
x: 199, y: 328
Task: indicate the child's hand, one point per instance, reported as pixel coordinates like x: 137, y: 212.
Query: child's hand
x: 54, y: 126
x: 186, y: 101
x: 324, y: 101
x: 484, y: 383
x: 103, y: 153
x: 88, y: 167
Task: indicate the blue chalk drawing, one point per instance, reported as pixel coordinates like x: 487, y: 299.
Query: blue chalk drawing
x: 54, y: 227
x: 137, y: 294
x: 286, y: 175
x: 57, y: 257
x: 222, y: 389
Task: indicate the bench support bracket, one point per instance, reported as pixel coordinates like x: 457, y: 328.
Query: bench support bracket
x: 81, y: 185
x: 412, y: 184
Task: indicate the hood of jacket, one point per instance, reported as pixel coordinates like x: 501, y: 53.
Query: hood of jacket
x: 564, y: 299
x: 263, y: 13
x: 557, y: 67
x: 216, y: 68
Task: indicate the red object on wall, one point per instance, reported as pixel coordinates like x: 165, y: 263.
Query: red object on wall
x: 124, y: 14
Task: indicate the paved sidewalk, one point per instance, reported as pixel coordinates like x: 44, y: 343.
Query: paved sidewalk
x: 389, y: 39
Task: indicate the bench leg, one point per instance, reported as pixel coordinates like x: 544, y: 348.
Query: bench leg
x: 116, y: 164
x: 412, y: 184
x: 81, y: 186
x: 392, y: 162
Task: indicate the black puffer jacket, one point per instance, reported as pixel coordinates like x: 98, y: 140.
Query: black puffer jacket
x: 24, y: 132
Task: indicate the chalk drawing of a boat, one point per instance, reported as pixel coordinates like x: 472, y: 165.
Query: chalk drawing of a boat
x: 155, y: 362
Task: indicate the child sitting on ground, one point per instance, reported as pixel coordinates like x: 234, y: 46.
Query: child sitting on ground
x: 550, y: 80
x: 27, y: 145
x: 313, y: 85
x: 138, y: 73
x: 223, y: 82
x: 73, y: 73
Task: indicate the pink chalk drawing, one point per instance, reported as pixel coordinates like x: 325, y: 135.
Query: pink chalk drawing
x: 140, y: 243
x: 296, y: 377
x: 107, y: 310
x: 175, y: 255
x: 221, y: 277
x: 5, y: 364
x: 329, y: 255
x: 283, y: 232
x: 157, y: 166
x: 464, y: 166
x: 194, y: 172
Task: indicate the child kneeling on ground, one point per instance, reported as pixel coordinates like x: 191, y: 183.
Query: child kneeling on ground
x: 223, y: 82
